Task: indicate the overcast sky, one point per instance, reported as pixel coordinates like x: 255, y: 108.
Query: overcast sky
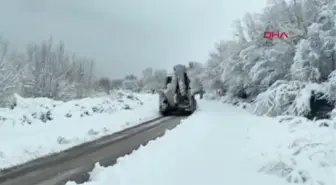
x: 125, y: 36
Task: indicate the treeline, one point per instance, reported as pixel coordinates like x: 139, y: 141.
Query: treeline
x: 281, y: 76
x: 44, y: 70
x: 48, y: 70
x: 250, y: 64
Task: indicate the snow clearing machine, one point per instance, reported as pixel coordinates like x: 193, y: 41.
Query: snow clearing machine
x: 176, y: 97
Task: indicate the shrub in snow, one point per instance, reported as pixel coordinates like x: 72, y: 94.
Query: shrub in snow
x: 297, y: 98
x: 63, y: 141
x: 92, y: 132
x: 316, y: 100
x: 308, y: 100
x: 277, y: 99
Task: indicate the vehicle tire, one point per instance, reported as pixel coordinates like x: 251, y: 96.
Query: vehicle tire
x: 192, y: 102
x: 163, y: 106
x: 195, y: 103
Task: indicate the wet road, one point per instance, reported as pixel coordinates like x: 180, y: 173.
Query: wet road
x: 74, y: 164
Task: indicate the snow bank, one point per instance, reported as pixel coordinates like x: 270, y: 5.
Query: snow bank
x: 44, y: 109
x: 40, y: 126
x: 221, y: 144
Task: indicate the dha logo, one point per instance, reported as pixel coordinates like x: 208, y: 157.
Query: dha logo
x: 271, y: 35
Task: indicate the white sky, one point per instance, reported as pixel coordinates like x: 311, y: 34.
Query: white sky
x: 125, y: 36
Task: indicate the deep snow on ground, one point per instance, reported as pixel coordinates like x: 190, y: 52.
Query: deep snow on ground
x: 221, y: 144
x: 38, y: 127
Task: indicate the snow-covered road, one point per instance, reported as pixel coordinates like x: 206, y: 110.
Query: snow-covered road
x: 221, y: 144
x: 27, y: 132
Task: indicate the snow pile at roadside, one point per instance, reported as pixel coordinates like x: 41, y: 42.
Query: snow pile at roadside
x: 30, y: 110
x: 38, y: 127
x: 221, y: 144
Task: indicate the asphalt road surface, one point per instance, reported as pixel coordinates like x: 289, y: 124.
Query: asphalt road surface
x: 74, y: 164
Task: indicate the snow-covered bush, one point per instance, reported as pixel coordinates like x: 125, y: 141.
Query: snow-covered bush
x: 312, y: 93
x: 294, y: 97
x: 301, y: 104
x: 277, y: 99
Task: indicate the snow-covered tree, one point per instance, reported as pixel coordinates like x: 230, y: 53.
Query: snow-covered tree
x: 105, y: 84
x: 9, y: 74
x: 160, y: 78
x: 153, y: 79
x: 48, y: 70
x: 116, y: 83
x: 130, y: 82
x: 274, y: 72
x: 148, y: 79
x: 194, y: 71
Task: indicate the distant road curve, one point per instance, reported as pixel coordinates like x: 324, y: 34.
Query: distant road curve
x: 74, y: 163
